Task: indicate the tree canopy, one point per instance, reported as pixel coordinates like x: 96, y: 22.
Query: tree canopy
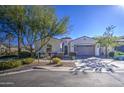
x: 30, y: 23
x: 108, y: 39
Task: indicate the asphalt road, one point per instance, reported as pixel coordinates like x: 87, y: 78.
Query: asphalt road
x: 40, y: 78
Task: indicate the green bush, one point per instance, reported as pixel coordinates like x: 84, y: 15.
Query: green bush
x: 57, y: 61
x: 111, y: 54
x: 24, y: 54
x: 10, y: 64
x: 27, y: 61
x: 119, y: 53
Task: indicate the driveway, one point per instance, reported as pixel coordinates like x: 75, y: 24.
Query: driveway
x: 43, y: 78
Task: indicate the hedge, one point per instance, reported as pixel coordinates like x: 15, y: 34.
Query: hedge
x: 27, y: 61
x: 15, y: 63
x: 119, y: 53
x: 10, y: 64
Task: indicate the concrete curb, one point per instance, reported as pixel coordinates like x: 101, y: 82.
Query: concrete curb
x: 69, y: 69
x: 16, y: 72
x: 54, y: 68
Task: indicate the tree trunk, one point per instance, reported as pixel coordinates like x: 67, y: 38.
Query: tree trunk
x: 106, y: 51
x: 31, y: 51
x: 9, y: 47
x: 19, y: 42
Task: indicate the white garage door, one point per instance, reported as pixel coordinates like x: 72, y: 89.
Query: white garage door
x: 85, y: 50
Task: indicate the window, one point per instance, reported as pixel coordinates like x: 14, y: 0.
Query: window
x: 49, y: 48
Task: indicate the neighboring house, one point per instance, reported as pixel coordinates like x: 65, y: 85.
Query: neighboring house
x: 83, y: 46
x: 121, y: 45
x: 3, y: 49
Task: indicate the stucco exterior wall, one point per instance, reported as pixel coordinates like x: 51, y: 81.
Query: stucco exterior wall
x: 97, y: 50
x: 56, y: 45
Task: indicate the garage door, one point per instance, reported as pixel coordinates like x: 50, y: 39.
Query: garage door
x: 84, y: 50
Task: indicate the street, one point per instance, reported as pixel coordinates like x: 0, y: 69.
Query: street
x: 43, y: 78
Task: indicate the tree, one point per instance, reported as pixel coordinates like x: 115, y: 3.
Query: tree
x: 108, y: 40
x: 9, y: 38
x: 30, y: 23
x: 14, y: 18
x: 43, y: 24
x: 49, y: 25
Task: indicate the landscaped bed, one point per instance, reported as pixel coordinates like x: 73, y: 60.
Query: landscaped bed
x: 34, y: 64
x: 13, y: 63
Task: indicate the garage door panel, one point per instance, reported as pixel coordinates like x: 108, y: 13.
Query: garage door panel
x: 86, y: 50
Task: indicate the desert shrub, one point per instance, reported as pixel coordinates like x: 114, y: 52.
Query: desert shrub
x: 10, y: 64
x: 111, y: 54
x: 24, y: 54
x: 57, y: 61
x: 27, y: 61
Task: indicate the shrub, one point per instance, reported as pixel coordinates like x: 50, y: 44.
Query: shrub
x: 24, y: 54
x: 119, y: 53
x: 111, y: 54
x: 27, y: 61
x: 57, y: 61
x: 10, y: 64
x: 9, y: 56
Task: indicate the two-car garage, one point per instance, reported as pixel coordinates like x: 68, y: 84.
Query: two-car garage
x: 84, y: 46
x: 84, y: 50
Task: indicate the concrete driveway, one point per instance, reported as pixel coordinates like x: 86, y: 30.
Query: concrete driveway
x: 43, y: 78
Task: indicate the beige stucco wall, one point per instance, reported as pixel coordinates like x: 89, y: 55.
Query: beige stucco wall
x: 56, y: 45
x: 97, y: 49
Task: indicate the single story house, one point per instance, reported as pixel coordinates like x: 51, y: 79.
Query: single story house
x: 2, y: 48
x: 83, y: 46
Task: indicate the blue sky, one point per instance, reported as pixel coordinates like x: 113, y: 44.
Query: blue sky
x: 92, y: 20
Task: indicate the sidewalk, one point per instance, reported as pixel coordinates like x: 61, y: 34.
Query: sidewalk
x: 49, y: 68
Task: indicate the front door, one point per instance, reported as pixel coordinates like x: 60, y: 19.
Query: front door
x: 65, y: 50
